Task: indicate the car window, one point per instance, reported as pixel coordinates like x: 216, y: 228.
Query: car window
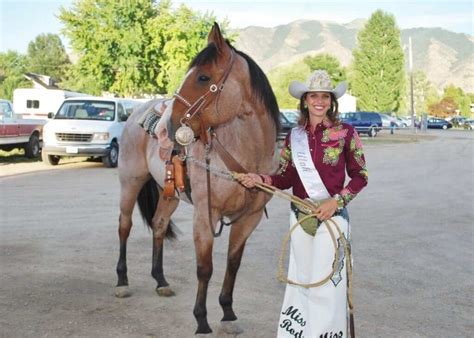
x: 129, y: 106
x: 6, y: 110
x: 87, y: 110
x: 291, y: 115
x: 121, y: 112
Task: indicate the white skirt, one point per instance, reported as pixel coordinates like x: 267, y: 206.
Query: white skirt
x: 318, y: 312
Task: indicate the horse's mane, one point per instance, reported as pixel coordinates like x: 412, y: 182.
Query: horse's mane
x: 260, y: 85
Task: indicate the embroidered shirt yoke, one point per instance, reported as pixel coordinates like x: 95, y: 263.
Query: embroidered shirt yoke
x: 333, y: 149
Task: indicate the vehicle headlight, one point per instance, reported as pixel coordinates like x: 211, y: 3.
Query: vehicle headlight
x: 100, y: 137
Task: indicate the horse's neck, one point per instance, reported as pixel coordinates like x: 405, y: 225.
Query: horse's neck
x: 250, y: 140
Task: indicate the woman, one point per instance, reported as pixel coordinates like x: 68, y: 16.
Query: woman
x: 314, y: 160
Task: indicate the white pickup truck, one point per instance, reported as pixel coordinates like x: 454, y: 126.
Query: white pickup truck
x: 19, y: 133
x: 86, y: 126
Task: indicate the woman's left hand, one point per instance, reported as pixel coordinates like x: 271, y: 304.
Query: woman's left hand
x: 326, y: 210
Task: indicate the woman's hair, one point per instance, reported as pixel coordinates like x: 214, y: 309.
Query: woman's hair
x: 332, y: 114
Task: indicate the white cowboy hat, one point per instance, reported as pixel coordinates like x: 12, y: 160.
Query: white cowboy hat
x: 318, y: 81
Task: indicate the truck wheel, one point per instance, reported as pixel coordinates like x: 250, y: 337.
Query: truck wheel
x: 111, y: 159
x: 32, y: 148
x: 49, y: 159
x: 372, y: 132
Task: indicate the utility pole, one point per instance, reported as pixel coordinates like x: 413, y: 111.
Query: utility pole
x: 410, y: 68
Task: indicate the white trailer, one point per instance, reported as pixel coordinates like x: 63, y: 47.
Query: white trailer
x: 347, y: 103
x: 36, y: 103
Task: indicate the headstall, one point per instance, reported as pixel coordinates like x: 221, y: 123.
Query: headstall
x: 185, y: 135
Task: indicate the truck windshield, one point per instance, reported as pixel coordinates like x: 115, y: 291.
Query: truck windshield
x: 87, y: 110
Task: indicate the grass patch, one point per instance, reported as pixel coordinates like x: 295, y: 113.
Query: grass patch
x: 387, y: 138
x: 16, y: 156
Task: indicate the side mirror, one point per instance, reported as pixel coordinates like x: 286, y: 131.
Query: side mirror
x: 123, y: 117
x: 50, y: 115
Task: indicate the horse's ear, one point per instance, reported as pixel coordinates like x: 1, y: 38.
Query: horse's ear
x: 215, y: 37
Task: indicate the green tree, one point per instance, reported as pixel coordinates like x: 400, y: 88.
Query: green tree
x: 47, y: 55
x: 328, y: 63
x: 281, y: 77
x: 463, y: 101
x: 133, y: 47
x: 12, y: 67
x: 424, y: 94
x: 378, y: 69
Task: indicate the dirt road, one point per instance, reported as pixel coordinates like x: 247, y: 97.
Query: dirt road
x: 412, y: 245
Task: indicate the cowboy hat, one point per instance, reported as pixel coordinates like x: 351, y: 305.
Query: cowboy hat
x: 318, y: 81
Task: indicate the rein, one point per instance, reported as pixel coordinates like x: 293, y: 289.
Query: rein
x: 206, y: 136
x: 232, y: 166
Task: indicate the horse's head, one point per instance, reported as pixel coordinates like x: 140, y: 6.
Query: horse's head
x: 211, y: 92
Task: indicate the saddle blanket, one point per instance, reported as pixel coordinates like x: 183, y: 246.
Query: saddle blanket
x: 148, y: 121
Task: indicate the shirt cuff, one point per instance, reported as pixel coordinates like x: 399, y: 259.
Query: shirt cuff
x: 340, y: 201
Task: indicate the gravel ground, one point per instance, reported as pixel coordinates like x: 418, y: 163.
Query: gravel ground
x: 412, y: 246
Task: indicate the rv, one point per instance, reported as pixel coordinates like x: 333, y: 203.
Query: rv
x: 37, y: 103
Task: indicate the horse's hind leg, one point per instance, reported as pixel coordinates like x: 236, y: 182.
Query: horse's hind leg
x: 239, y: 234
x: 161, y: 221
x: 128, y: 196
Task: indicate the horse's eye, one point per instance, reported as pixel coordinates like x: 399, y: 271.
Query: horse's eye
x: 203, y: 78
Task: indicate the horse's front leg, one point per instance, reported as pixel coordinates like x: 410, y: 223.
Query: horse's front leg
x: 203, y: 243
x: 161, y: 221
x: 239, y: 234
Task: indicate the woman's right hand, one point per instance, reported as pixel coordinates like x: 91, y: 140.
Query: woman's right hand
x: 249, y: 180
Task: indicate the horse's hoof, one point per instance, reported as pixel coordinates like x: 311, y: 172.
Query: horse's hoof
x: 122, y: 291
x: 165, y: 291
x: 231, y: 327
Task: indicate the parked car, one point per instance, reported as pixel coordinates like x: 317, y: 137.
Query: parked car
x: 19, y: 133
x: 457, y: 121
x: 291, y: 114
x: 437, y: 123
x: 88, y: 126
x: 389, y: 121
x: 469, y: 124
x: 403, y: 122
x: 369, y: 123
x: 286, y: 125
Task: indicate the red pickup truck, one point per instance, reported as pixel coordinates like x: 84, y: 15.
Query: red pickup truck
x: 16, y: 132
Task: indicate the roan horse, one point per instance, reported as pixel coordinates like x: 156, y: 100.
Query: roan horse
x: 228, y: 103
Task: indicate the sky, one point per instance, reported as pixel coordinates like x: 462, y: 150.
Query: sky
x: 22, y: 20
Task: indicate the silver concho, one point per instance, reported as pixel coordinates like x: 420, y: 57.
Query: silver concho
x: 184, y: 135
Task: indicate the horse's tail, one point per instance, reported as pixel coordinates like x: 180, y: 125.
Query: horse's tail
x: 147, y: 202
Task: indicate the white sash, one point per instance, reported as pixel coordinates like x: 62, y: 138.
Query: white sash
x: 303, y: 161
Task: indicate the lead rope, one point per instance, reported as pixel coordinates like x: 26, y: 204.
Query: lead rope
x: 312, y: 206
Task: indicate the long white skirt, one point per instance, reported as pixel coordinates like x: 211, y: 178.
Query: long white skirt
x: 318, y: 312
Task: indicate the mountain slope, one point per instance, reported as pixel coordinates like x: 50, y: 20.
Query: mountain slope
x: 444, y: 56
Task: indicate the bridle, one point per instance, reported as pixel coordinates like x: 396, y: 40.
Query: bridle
x: 195, y: 108
x: 207, y: 135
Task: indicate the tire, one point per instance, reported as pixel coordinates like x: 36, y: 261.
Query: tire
x: 49, y: 159
x: 111, y: 159
x: 32, y: 148
x: 372, y: 132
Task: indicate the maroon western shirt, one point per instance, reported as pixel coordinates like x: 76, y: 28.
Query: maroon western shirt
x: 334, y: 149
